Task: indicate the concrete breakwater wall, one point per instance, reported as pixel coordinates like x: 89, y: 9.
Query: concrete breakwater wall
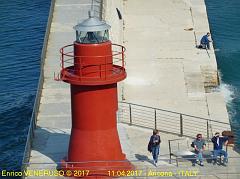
x: 164, y: 67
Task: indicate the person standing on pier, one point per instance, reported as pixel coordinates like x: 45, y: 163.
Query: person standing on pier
x: 205, y: 41
x: 218, y: 142
x: 199, y: 146
x: 154, y: 145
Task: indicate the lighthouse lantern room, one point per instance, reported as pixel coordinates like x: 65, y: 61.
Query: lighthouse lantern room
x: 92, y: 30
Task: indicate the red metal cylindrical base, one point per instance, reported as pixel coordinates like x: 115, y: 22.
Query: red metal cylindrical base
x: 94, y: 143
x: 94, y: 133
x: 97, y: 169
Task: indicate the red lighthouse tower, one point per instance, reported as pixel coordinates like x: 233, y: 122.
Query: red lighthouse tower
x: 92, y: 65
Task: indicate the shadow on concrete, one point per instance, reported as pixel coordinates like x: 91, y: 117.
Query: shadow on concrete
x: 141, y: 157
x: 144, y: 158
x: 50, y: 145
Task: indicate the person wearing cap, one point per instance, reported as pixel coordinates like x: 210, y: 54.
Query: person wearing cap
x: 205, y: 41
x: 218, y: 142
x: 199, y: 146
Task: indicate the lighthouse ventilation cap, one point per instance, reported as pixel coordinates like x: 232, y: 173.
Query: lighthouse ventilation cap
x: 92, y: 24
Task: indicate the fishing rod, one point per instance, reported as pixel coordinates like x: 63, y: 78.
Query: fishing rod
x: 207, y: 52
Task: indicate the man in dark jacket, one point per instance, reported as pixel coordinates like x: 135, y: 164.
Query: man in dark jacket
x: 154, y: 146
x: 218, y: 142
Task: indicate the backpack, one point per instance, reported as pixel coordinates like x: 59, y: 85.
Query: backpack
x: 150, y: 147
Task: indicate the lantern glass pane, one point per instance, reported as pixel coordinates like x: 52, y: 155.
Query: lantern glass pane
x: 92, y: 37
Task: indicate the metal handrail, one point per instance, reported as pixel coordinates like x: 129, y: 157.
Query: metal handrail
x: 173, y: 112
x: 77, y: 68
x: 68, y: 56
x: 71, y: 54
x: 168, y: 121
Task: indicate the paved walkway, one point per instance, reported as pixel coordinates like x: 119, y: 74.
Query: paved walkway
x: 164, y: 68
x: 134, y: 142
x: 136, y: 150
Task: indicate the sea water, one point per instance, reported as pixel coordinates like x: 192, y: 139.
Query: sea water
x: 224, y: 19
x: 22, y: 29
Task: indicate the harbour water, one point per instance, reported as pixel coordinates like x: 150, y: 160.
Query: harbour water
x: 224, y: 19
x: 22, y: 28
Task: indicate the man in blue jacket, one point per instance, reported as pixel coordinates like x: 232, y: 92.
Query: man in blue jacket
x: 205, y: 41
x: 218, y: 142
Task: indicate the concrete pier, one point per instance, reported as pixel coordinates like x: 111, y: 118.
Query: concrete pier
x: 164, y: 68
